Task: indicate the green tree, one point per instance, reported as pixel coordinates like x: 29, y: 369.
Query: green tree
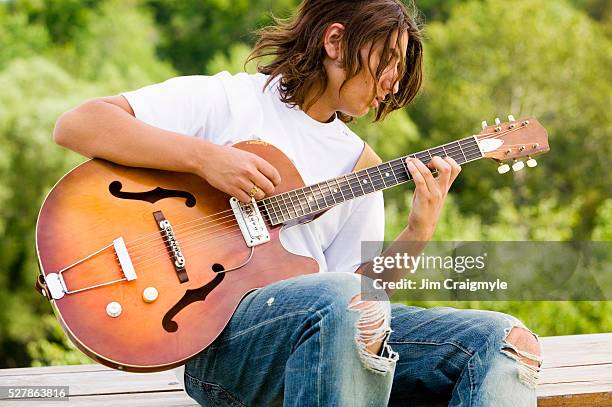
x: 193, y: 31
x: 35, y: 91
x: 493, y: 58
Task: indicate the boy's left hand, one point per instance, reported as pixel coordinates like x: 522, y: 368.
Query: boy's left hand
x: 429, y: 194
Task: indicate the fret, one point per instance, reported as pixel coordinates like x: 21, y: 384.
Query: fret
x: 360, y: 186
x: 273, y: 212
x: 427, y: 157
x: 303, y: 201
x: 459, y: 155
x: 294, y: 208
x: 472, y: 144
x: 391, y: 171
x: 299, y: 203
x: 321, y: 201
x: 350, y: 186
x: 290, y: 206
x: 372, y: 185
x: 315, y: 199
x: 268, y: 212
x: 346, y: 188
x: 331, y: 192
x: 295, y: 197
x: 355, y: 180
x: 381, y: 176
x: 288, y: 215
x: 455, y: 152
x: 430, y: 156
x: 307, y: 199
x: 280, y: 209
x: 462, y: 153
x: 325, y: 204
x: 439, y: 151
x: 340, y: 189
x: 405, y: 174
x: 377, y: 180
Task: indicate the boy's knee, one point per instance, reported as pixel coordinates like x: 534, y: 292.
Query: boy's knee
x: 525, y: 346
x: 373, y: 328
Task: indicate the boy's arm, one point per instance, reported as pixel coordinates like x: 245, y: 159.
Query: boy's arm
x: 107, y: 128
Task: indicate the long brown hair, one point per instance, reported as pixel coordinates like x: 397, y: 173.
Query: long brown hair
x: 295, y: 46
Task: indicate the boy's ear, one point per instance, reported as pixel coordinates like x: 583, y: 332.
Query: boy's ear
x: 332, y: 41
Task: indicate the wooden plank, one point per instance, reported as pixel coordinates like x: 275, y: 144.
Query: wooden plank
x: 580, y: 400
x: 575, y: 380
x: 174, y: 399
x: 46, y: 370
x: 577, y: 372
x: 577, y: 350
x: 83, y: 381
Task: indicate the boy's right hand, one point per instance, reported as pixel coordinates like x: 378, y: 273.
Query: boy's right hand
x: 236, y: 172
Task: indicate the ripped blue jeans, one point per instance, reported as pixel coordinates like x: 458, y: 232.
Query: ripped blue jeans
x: 306, y: 342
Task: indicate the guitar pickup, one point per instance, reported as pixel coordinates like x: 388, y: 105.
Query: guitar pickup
x: 250, y: 221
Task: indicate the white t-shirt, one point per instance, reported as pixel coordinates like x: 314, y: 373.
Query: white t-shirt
x: 226, y: 109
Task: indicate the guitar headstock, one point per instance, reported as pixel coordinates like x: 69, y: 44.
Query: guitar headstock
x: 513, y: 140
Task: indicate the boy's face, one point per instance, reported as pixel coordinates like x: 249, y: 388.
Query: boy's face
x: 357, y: 96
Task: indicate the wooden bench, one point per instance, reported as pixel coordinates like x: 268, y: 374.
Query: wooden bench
x: 577, y: 372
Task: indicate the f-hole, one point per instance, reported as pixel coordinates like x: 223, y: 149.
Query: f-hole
x: 217, y: 268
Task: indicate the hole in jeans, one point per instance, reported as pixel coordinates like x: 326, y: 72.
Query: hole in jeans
x: 523, y: 346
x: 373, y: 329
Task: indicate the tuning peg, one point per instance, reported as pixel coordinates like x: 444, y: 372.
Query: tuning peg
x: 518, y: 165
x: 484, y: 124
x: 497, y: 121
x: 511, y: 118
x: 503, y: 168
x: 531, y: 162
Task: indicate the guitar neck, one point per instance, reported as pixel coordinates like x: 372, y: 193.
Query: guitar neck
x: 315, y: 198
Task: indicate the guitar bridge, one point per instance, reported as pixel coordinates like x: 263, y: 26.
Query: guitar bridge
x: 251, y: 222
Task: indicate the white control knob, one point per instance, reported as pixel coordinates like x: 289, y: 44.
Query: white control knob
x: 113, y: 309
x: 150, y: 294
x: 531, y: 162
x: 497, y: 121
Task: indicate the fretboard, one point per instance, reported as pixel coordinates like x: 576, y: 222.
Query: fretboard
x: 315, y: 198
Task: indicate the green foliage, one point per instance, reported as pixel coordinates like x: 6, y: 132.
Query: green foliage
x: 552, y: 67
x: 545, y: 318
x: 43, y: 75
x: 193, y: 31
x: 33, y: 40
x: 54, y: 348
x: 484, y: 58
x: 232, y: 61
x: 603, y: 223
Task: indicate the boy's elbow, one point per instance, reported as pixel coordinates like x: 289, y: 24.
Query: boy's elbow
x: 69, y: 124
x: 62, y: 129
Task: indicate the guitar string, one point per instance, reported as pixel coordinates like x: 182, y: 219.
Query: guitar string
x: 195, y: 243
x: 266, y: 199
x: 199, y: 239
x: 485, y: 136
x: 324, y: 197
x: 350, y: 183
x: 184, y: 243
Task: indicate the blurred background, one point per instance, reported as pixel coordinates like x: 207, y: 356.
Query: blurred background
x: 484, y: 59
